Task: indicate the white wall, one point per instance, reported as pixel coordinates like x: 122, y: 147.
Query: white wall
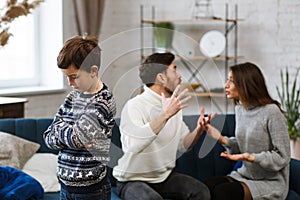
x: 268, y: 35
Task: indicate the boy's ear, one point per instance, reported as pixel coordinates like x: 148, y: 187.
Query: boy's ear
x: 94, y: 71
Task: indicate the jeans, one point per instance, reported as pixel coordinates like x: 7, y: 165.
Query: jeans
x: 102, y: 194
x: 176, y: 186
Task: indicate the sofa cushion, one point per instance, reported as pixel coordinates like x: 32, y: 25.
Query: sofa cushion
x: 295, y: 175
x: 15, y: 151
x: 292, y: 195
x: 28, y: 128
x: 33, y: 129
x: 42, y: 167
x: 204, y: 159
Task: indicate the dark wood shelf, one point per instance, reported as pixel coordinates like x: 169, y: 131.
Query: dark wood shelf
x: 12, y: 107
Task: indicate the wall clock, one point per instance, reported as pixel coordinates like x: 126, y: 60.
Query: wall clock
x: 212, y: 43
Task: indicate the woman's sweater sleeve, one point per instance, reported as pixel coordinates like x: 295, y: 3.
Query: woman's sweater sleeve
x: 279, y: 156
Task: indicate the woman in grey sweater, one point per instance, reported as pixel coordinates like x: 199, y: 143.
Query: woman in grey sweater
x: 261, y: 142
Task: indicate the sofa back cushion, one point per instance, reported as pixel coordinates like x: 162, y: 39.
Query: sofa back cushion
x: 204, y: 160
x: 201, y: 162
x: 28, y: 128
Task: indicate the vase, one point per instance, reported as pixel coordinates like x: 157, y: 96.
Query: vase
x: 295, y: 148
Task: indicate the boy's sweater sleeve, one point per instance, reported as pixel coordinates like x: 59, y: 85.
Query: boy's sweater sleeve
x: 92, y: 127
x: 94, y: 130
x: 61, y: 135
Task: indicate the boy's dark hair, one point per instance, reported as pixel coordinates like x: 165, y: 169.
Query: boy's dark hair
x: 154, y: 64
x: 81, y: 51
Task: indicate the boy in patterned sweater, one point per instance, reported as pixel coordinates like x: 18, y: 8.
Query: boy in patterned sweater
x: 81, y: 129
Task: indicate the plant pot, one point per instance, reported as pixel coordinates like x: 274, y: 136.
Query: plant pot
x: 295, y: 148
x: 163, y: 34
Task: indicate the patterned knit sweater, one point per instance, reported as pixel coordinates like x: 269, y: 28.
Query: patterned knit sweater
x: 83, y: 119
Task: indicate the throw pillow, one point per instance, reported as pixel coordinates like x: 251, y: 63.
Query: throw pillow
x: 42, y: 167
x: 15, y: 151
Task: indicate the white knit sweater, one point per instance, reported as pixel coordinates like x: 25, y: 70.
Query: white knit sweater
x: 148, y: 157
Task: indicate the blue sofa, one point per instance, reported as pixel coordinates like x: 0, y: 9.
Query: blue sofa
x: 201, y: 162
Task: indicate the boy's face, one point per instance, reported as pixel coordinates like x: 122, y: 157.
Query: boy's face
x: 80, y: 80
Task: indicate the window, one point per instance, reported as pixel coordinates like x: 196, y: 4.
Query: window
x: 28, y: 61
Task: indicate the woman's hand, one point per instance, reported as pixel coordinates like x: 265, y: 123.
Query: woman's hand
x: 212, y: 131
x: 204, y: 121
x: 236, y: 157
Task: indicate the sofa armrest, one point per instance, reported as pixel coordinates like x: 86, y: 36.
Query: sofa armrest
x: 295, y: 175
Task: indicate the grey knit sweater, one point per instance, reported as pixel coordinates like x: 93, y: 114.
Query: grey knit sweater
x: 262, y: 131
x: 83, y: 118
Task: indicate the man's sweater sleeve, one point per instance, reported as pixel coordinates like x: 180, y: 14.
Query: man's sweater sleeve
x: 136, y: 133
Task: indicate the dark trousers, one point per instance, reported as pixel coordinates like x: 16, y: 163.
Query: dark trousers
x: 227, y: 188
x: 176, y: 186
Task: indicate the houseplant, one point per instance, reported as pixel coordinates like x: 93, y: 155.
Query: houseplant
x: 12, y: 10
x: 163, y: 34
x: 290, y: 101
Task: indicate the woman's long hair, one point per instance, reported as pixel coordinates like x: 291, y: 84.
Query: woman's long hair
x: 250, y: 84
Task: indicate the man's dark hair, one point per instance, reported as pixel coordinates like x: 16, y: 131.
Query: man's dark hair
x: 153, y: 65
x: 81, y: 51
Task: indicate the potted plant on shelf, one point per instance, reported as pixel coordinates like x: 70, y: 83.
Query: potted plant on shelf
x: 163, y: 34
x: 290, y: 101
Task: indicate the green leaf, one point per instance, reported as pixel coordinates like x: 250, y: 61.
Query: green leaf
x: 290, y: 100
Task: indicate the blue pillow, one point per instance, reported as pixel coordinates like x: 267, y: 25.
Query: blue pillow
x: 17, y: 185
x: 237, y: 165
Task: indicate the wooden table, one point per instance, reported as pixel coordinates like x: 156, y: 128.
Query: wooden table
x: 12, y: 107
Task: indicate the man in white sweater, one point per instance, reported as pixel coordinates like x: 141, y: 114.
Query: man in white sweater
x: 152, y: 131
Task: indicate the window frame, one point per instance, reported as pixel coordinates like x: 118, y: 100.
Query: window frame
x: 48, y: 39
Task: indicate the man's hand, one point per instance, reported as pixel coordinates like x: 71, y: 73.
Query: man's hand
x: 175, y: 103
x: 170, y: 106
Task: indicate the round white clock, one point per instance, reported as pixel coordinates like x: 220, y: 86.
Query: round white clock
x: 212, y: 43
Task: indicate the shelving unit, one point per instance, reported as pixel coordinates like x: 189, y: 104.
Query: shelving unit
x: 230, y: 27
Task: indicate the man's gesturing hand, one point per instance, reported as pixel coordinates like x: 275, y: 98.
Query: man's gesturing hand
x: 175, y: 103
